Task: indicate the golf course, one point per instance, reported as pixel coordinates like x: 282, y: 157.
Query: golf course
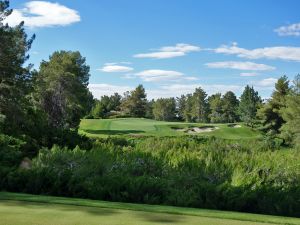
x: 24, y: 209
x: 146, y: 127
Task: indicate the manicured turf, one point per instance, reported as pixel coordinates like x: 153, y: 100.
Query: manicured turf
x: 146, y: 127
x: 23, y: 209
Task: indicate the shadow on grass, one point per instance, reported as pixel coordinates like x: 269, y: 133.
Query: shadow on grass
x: 161, y: 218
x: 60, y: 207
x: 114, y: 132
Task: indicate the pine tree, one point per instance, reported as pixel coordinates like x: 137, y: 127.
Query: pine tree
x: 291, y: 114
x: 15, y: 79
x: 230, y: 105
x: 249, y: 103
x: 199, y: 106
x: 269, y: 113
x: 135, y: 102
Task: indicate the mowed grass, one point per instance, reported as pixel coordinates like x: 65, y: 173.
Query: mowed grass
x: 24, y: 209
x: 147, y: 127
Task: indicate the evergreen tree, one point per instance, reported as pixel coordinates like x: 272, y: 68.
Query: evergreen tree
x: 291, y: 114
x: 249, y: 103
x: 61, y: 89
x: 230, y: 105
x: 187, y: 114
x: 199, y: 106
x: 181, y: 104
x: 135, y: 102
x: 215, y: 107
x: 15, y: 79
x: 269, y: 113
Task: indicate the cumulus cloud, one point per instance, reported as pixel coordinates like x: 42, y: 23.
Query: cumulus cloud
x: 159, y: 55
x: 115, y: 68
x: 43, y: 14
x: 239, y: 65
x: 180, y: 49
x: 249, y: 74
x: 159, y: 75
x: 277, y: 52
x: 290, y: 30
x: 268, y: 82
x: 99, y: 90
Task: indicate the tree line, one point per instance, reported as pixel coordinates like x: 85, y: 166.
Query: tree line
x: 43, y: 106
x: 276, y: 117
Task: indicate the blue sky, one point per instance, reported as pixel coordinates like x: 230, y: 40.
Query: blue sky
x: 169, y: 46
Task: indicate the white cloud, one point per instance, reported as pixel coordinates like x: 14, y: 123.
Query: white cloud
x: 290, y: 30
x: 181, y: 47
x: 169, y: 51
x: 159, y: 75
x: 159, y: 55
x: 249, y: 74
x: 99, y: 90
x: 239, y: 65
x: 113, y: 68
x: 268, y: 82
x: 277, y: 52
x: 43, y: 14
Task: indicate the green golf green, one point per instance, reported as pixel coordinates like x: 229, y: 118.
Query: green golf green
x: 147, y: 127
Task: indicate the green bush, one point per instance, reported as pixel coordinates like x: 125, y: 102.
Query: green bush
x: 182, y: 171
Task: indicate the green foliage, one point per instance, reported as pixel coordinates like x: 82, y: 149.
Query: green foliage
x: 269, y: 113
x: 249, y: 103
x: 104, y: 107
x: 230, y: 105
x: 291, y: 114
x: 61, y: 89
x: 164, y: 109
x: 14, y: 77
x: 183, y: 171
x: 215, y: 106
x: 199, y: 110
x: 135, y: 102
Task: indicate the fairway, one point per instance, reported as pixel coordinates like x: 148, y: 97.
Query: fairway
x: 22, y: 209
x: 146, y: 127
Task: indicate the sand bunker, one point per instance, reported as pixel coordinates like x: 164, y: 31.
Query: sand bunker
x: 196, y: 130
x: 234, y: 125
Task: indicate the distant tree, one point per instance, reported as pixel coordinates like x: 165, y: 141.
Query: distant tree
x: 181, y: 104
x: 269, y: 113
x: 135, y: 102
x: 200, y: 106
x: 230, y: 105
x: 149, y: 109
x: 215, y: 106
x: 114, y: 102
x: 291, y: 114
x: 164, y: 109
x: 15, y: 79
x: 61, y: 89
x: 249, y: 103
x: 98, y: 110
x: 187, y: 113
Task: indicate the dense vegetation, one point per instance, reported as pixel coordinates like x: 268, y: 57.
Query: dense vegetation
x: 211, y: 173
x: 41, y: 151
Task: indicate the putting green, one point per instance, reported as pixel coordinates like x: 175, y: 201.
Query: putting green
x: 147, y: 127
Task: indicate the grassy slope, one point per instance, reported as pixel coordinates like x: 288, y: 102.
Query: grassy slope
x: 129, y: 126
x: 23, y: 209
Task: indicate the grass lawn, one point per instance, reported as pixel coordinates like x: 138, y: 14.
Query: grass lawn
x: 23, y: 209
x: 147, y: 127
